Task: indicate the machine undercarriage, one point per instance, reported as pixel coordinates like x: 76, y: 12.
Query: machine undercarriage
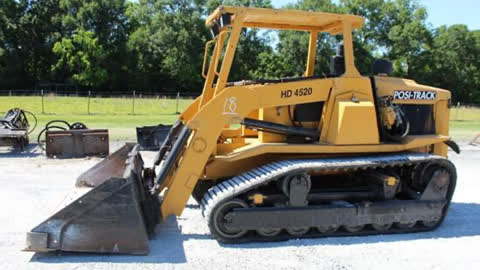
x: 331, y: 196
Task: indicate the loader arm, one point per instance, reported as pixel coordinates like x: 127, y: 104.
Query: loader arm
x: 231, y: 106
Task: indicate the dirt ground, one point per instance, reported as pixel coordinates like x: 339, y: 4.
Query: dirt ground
x: 33, y: 187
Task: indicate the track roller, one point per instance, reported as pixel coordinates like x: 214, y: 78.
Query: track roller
x: 354, y: 228
x: 297, y: 231
x: 268, y: 232
x: 381, y: 227
x: 327, y: 229
x: 219, y: 223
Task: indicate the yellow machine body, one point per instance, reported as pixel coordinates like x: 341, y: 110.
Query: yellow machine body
x: 348, y: 124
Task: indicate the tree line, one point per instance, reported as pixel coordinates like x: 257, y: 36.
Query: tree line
x: 157, y: 45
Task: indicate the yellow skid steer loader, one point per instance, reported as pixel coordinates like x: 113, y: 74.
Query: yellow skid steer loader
x: 275, y: 159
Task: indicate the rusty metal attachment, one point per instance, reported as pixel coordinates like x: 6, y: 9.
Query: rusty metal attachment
x: 65, y: 140
x: 152, y: 137
x: 77, y: 143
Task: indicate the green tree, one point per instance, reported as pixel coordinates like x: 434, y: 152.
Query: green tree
x: 158, y: 44
x: 213, y: 4
x: 82, y: 56
x: 253, y: 48
x: 455, y: 62
x: 167, y: 44
x: 394, y: 29
x: 292, y: 46
x: 27, y: 31
x: 104, y: 21
x: 409, y: 37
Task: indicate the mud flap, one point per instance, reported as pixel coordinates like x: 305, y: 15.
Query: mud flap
x: 111, y: 166
x: 115, y: 217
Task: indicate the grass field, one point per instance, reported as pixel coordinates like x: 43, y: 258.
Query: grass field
x: 122, y: 115
x: 464, y: 123
x: 112, y: 113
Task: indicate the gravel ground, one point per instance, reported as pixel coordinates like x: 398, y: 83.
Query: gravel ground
x: 33, y: 187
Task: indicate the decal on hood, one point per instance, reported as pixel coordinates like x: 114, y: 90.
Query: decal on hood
x: 414, y: 94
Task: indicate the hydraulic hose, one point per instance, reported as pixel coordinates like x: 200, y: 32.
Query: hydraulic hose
x: 66, y: 126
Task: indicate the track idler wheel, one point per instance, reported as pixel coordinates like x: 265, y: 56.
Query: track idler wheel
x: 431, y: 223
x: 219, y: 222
x: 381, y: 227
x: 268, y: 232
x: 354, y: 228
x: 327, y: 229
x: 297, y: 231
x: 405, y: 225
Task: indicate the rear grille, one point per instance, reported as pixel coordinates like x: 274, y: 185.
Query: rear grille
x: 421, y: 119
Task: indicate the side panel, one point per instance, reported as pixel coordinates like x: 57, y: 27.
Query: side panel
x: 350, y: 114
x: 442, y: 116
x: 397, y: 88
x: 353, y: 122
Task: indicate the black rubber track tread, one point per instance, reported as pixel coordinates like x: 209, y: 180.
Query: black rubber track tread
x: 249, y: 180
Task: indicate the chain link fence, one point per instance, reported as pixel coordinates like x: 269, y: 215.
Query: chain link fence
x: 89, y: 102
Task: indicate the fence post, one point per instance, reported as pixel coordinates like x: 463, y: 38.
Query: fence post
x: 456, y: 111
x: 43, y: 104
x: 133, y: 103
x: 88, y: 103
x: 178, y: 99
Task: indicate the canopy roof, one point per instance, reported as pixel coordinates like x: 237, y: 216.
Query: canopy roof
x: 289, y: 19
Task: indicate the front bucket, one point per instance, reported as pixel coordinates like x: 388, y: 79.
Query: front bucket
x: 115, y: 217
x: 152, y: 137
x: 112, y: 166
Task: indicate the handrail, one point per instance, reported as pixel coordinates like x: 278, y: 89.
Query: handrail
x: 207, y: 45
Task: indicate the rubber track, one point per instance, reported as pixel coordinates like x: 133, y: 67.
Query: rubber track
x: 262, y: 175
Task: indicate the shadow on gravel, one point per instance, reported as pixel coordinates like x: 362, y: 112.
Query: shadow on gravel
x: 30, y: 151
x: 462, y: 220
x: 166, y: 246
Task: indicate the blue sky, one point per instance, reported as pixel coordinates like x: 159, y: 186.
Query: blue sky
x: 440, y: 12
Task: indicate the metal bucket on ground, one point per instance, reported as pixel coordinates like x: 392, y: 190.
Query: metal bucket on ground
x: 119, y: 214
x: 115, y: 217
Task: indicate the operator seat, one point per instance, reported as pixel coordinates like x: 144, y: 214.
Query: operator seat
x: 337, y: 63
